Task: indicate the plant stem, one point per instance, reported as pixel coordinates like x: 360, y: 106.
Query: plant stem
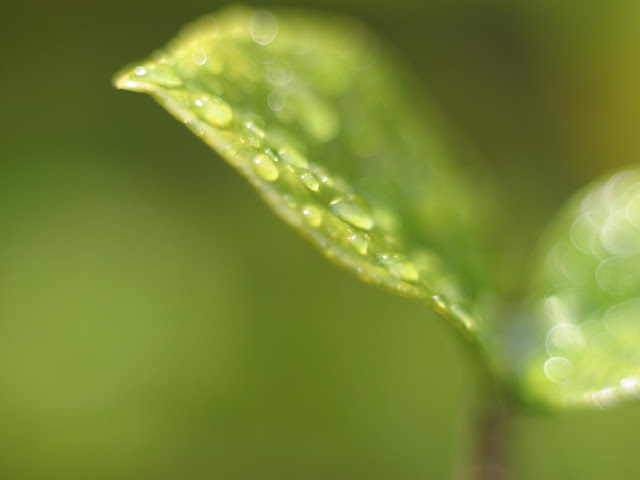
x: 491, y: 455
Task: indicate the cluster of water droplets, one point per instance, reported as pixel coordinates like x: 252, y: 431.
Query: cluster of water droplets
x: 217, y: 66
x: 593, y: 303
x: 243, y: 87
x: 325, y: 205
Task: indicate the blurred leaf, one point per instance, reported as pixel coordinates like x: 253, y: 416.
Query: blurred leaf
x: 587, y: 300
x: 316, y: 116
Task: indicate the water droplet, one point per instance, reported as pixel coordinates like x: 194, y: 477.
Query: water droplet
x: 323, y: 176
x: 231, y: 151
x: 439, y: 303
x: 359, y: 243
x: 140, y: 71
x: 265, y: 167
x: 327, y: 181
x: 310, y: 181
x: 312, y: 216
x: 463, y: 316
x: 291, y: 156
x: 213, y: 110
x: 276, y: 101
x: 199, y: 57
x: 558, y: 369
x: 252, y: 141
x: 263, y: 27
x: 399, y: 266
x: 255, y: 129
x: 159, y: 56
x: 272, y: 155
x: 353, y: 210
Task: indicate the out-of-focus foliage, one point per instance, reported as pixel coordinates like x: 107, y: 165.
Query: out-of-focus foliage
x: 588, y: 289
x: 138, y: 335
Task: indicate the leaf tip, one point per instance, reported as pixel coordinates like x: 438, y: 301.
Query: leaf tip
x: 134, y: 78
x: 123, y: 81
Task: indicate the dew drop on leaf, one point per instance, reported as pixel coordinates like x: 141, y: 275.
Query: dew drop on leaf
x: 265, y: 167
x: 439, y: 303
x: 353, y: 210
x: 199, y: 57
x: 399, y: 266
x: 291, y: 156
x: 359, y: 243
x: 310, y: 181
x: 255, y: 129
x: 312, y: 216
x: 213, y: 110
x: 305, y: 84
x: 462, y: 315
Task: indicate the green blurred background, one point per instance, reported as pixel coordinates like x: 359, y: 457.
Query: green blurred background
x: 158, y: 322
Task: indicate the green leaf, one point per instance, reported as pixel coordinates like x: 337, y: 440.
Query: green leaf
x: 312, y: 111
x: 315, y: 114
x: 587, y: 300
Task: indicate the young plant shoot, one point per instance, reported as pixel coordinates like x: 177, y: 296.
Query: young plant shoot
x: 314, y: 112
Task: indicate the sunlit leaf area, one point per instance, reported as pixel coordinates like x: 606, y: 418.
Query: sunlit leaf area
x: 158, y: 321
x: 310, y: 111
